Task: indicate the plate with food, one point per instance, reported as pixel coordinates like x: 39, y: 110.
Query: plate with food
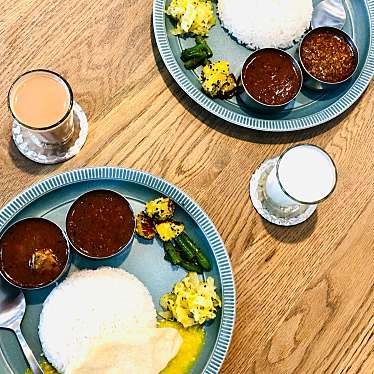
x: 121, y: 272
x: 261, y: 65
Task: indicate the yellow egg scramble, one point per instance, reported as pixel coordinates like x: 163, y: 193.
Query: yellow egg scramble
x: 193, y: 341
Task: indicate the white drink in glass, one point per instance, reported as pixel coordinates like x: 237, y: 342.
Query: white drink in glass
x: 306, y: 173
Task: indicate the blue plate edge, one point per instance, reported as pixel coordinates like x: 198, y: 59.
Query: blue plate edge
x: 331, y: 112
x: 58, y: 180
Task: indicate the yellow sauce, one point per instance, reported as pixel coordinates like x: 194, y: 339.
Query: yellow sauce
x: 46, y: 367
x: 193, y: 340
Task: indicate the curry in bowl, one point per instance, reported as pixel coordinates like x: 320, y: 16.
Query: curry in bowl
x: 100, y: 224
x: 34, y: 253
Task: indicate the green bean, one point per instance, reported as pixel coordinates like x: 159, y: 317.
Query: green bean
x: 167, y: 258
x: 194, y: 63
x: 198, y: 254
x: 189, y: 266
x: 197, y: 51
x: 172, y: 253
x: 185, y: 249
x: 199, y: 39
x: 207, y: 49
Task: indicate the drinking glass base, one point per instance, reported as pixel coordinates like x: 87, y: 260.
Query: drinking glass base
x: 281, y: 216
x: 33, y: 149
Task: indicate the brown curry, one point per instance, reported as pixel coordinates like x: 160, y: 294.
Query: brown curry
x: 271, y: 77
x: 34, y: 252
x: 327, y: 56
x: 100, y: 223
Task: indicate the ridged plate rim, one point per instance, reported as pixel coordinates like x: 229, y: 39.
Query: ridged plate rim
x: 192, y: 208
x: 214, y: 107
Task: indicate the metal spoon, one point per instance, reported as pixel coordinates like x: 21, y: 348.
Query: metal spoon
x: 12, y: 310
x: 329, y: 13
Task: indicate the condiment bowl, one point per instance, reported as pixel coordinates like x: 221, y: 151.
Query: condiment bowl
x: 34, y: 253
x: 312, y: 82
x: 248, y: 98
x: 100, y: 224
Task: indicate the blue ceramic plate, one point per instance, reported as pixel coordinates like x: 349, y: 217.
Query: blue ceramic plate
x: 52, y: 198
x: 310, y: 109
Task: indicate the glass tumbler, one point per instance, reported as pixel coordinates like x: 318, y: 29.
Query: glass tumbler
x: 286, y: 190
x: 45, y: 127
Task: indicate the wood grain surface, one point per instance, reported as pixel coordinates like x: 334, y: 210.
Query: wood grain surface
x: 306, y: 294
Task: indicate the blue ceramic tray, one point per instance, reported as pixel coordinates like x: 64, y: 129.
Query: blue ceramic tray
x: 310, y: 109
x: 52, y: 198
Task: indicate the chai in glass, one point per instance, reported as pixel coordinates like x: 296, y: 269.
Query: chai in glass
x: 41, y: 101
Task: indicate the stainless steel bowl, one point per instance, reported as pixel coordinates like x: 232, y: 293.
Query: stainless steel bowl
x: 257, y: 105
x: 314, y: 83
x: 123, y: 249
x: 56, y: 279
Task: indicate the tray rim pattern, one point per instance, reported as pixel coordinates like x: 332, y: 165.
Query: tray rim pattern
x: 18, y: 203
x: 279, y: 125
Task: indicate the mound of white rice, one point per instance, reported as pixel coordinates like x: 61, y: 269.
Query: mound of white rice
x: 88, y: 305
x: 266, y: 23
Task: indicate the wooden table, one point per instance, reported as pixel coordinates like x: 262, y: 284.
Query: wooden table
x: 305, y: 295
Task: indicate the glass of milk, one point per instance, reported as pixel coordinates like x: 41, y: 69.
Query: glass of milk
x: 290, y: 186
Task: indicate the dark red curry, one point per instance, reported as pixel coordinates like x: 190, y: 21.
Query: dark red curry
x: 34, y: 252
x: 271, y: 77
x: 327, y: 56
x: 100, y: 223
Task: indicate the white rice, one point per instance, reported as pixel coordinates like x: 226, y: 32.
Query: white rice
x: 266, y: 23
x: 88, y: 305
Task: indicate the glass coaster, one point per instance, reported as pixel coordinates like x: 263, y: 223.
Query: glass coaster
x: 31, y: 147
x: 291, y: 216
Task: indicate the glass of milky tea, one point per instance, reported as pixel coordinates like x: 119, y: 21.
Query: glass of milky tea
x: 41, y: 104
x: 287, y: 189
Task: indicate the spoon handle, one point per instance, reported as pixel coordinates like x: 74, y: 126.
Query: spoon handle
x: 28, y: 353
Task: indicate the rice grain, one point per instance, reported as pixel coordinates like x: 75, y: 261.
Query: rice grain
x: 88, y: 306
x: 266, y: 23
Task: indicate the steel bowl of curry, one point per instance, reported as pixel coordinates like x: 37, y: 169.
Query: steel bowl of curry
x: 34, y: 253
x: 329, y: 58
x: 270, y: 79
x: 100, y: 224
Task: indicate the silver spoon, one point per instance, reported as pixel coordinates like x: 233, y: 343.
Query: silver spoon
x: 12, y: 310
x: 329, y: 13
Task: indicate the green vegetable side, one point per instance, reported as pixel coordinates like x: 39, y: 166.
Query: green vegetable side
x: 198, y: 55
x: 195, y: 18
x: 179, y: 248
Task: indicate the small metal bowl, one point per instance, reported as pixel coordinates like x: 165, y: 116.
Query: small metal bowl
x: 52, y: 281
x: 314, y: 83
x: 120, y: 250
x: 255, y: 104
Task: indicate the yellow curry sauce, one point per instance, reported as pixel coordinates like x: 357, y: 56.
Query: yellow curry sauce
x: 193, y: 340
x: 46, y: 367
